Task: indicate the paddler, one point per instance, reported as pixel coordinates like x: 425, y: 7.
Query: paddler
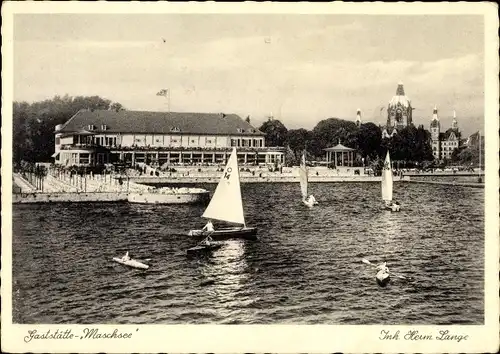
x: 383, y: 267
x: 126, y: 257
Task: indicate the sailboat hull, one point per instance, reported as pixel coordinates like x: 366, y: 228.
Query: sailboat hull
x: 248, y: 233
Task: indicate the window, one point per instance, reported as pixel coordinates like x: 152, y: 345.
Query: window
x: 209, y: 141
x: 157, y: 140
x: 104, y: 127
x: 175, y: 129
x: 58, y: 141
x: 233, y: 142
x: 193, y: 141
x: 84, y: 159
x: 91, y: 127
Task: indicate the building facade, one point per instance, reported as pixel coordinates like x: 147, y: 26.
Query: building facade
x: 93, y: 137
x: 399, y: 113
x: 443, y: 144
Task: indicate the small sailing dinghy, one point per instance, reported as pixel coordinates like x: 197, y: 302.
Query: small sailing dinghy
x: 207, y: 245
x: 308, y: 200
x: 126, y: 260
x: 226, y: 205
x: 387, y: 183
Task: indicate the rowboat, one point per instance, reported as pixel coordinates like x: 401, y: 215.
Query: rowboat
x: 131, y: 263
x: 204, y: 248
x: 383, y: 277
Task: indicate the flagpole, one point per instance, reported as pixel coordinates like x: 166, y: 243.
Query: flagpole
x: 168, y: 100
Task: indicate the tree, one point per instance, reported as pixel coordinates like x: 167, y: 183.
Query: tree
x: 298, y: 140
x: 115, y: 106
x: 369, y: 139
x: 329, y: 132
x: 33, y: 124
x: 275, y: 132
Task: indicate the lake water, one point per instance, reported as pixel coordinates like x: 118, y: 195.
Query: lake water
x: 306, y: 267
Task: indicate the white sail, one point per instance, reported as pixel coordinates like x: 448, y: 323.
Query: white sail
x: 387, y: 179
x: 226, y: 203
x: 303, y: 176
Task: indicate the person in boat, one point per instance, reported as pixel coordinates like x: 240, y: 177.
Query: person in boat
x: 383, y: 268
x: 207, y: 241
x: 126, y: 257
x: 312, y: 200
x: 208, y: 228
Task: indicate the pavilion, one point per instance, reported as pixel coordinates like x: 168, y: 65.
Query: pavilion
x: 340, y: 155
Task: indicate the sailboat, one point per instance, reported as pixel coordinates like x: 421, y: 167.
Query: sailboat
x: 387, y: 183
x: 306, y: 199
x: 226, y: 205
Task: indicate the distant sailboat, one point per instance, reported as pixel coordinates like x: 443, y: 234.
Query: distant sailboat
x: 387, y: 183
x: 308, y: 200
x: 227, y: 205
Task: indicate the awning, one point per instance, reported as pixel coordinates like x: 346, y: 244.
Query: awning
x: 55, y: 154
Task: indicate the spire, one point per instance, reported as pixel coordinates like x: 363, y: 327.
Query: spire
x: 358, y: 117
x: 454, y: 123
x: 400, y: 90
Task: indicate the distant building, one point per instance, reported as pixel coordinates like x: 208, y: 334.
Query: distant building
x: 358, y: 117
x: 399, y: 113
x: 443, y: 144
x: 93, y: 137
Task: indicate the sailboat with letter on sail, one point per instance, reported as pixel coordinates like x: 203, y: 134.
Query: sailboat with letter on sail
x: 387, y: 183
x: 308, y: 200
x: 227, y: 205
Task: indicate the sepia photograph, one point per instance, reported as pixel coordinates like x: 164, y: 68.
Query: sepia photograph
x: 219, y: 171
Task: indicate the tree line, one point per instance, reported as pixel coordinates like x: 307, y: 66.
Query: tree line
x: 411, y: 144
x: 34, y: 123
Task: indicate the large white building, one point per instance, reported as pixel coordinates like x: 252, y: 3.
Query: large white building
x: 443, y: 144
x: 93, y: 137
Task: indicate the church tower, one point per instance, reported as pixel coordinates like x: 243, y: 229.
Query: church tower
x: 435, y: 131
x: 358, y: 118
x: 454, y: 124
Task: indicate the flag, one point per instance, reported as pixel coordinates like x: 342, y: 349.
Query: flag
x: 162, y: 92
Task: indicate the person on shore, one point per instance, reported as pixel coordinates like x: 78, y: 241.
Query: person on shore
x: 208, y: 228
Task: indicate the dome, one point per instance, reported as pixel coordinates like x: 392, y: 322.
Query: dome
x: 400, y: 98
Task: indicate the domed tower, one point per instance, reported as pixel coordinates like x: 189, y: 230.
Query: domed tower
x: 435, y: 131
x: 399, y: 111
x: 358, y: 117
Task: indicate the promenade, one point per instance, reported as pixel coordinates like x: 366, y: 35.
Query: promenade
x: 66, y: 187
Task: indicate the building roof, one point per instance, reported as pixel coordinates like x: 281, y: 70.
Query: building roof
x: 159, y: 123
x: 338, y: 147
x: 400, y: 97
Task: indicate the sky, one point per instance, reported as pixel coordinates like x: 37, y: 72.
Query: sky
x: 298, y: 68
